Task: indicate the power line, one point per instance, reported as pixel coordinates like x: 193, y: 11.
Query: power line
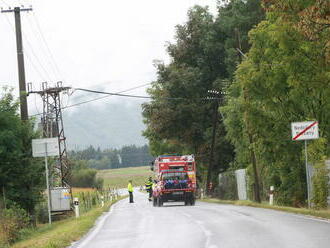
x: 31, y: 51
x: 113, y: 94
x: 146, y: 97
x: 36, y: 20
x: 98, y: 98
x: 37, y: 40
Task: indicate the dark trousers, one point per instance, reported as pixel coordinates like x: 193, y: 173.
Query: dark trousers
x: 130, y: 197
x: 150, y: 193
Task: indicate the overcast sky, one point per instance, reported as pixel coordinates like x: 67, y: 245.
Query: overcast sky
x: 108, y: 44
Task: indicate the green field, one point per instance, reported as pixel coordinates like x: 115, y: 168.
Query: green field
x: 119, y: 177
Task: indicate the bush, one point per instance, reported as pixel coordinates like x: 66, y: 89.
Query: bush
x: 11, y: 222
x: 85, y: 178
x: 320, y: 186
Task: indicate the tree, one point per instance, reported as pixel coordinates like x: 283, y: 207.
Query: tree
x: 284, y: 79
x: 203, y: 58
x: 178, y: 118
x: 21, y: 176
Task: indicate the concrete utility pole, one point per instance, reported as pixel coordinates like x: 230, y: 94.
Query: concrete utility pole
x: 20, y: 59
x: 215, y: 96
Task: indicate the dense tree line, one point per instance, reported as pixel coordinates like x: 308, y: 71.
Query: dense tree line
x: 127, y: 156
x: 270, y: 59
x: 21, y: 176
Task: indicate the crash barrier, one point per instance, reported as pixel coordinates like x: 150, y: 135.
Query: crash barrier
x: 91, y: 199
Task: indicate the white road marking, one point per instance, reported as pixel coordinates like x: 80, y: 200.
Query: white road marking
x: 98, y: 227
x: 206, y: 232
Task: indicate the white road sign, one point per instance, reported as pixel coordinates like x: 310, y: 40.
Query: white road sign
x: 45, y: 147
x: 305, y: 130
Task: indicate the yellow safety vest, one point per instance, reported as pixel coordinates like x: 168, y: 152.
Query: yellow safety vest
x: 130, y: 187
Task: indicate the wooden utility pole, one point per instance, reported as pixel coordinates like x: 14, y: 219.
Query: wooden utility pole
x: 20, y: 59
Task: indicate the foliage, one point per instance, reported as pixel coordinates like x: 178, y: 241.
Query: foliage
x: 320, y: 179
x: 85, y: 178
x: 21, y: 176
x: 274, y: 67
x: 12, y: 220
x: 284, y: 79
x: 320, y: 186
x: 127, y: 156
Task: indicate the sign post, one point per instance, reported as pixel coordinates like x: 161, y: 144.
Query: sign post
x: 44, y: 148
x: 307, y: 130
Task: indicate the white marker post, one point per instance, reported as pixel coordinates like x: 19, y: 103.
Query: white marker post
x: 307, y: 130
x: 76, y: 206
x: 271, y: 196
x: 102, y: 201
x: 44, y: 148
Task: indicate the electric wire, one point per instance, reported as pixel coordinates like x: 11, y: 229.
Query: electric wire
x: 41, y: 34
x: 146, y: 97
x: 98, y: 98
x: 41, y: 46
x: 27, y: 54
x: 31, y: 50
x: 53, y: 66
x: 36, y: 57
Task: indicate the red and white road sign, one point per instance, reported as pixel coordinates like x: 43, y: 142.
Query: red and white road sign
x: 305, y: 130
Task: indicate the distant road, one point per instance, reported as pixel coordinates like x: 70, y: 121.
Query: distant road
x: 208, y: 225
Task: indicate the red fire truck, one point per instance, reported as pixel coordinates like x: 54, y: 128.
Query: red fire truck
x: 176, y: 179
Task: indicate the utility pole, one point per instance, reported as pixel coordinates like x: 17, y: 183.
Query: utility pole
x: 20, y: 59
x: 52, y: 124
x: 214, y: 124
x: 256, y: 188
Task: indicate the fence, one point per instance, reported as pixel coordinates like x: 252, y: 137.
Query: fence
x: 232, y: 185
x: 88, y: 200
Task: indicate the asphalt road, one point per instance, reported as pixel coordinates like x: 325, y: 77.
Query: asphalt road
x: 208, y: 225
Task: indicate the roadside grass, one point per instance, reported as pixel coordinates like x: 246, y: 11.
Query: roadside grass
x: 119, y: 177
x: 61, y: 233
x: 310, y: 212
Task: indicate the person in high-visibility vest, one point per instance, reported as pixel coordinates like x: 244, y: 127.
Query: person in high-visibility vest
x: 130, y: 191
x: 149, y: 187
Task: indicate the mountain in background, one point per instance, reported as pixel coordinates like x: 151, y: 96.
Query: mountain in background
x: 110, y: 125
